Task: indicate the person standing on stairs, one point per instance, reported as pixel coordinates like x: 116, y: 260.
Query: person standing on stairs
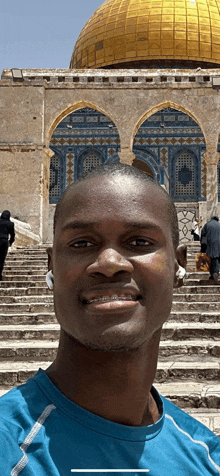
x: 210, y: 244
x: 195, y: 229
x: 6, y: 229
x: 112, y: 268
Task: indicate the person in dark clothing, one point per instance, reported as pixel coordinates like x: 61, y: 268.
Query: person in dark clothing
x: 210, y: 244
x: 6, y: 229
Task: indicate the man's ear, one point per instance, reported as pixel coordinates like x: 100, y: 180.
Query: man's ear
x: 181, y: 255
x: 49, y: 251
x: 180, y: 262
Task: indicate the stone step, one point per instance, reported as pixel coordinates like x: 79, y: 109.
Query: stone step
x: 188, y: 367
x: 26, y: 266
x: 31, y: 348
x: 27, y: 307
x: 14, y: 290
x: 197, y: 275
x: 212, y: 289
x: 24, y: 269
x: 20, y: 256
x: 9, y: 285
x: 11, y: 278
x: 195, y: 306
x: 194, y: 394
x: 44, y: 298
x: 190, y: 347
x: 189, y: 333
x: 201, y: 282
x: 198, y: 298
x: 29, y: 318
x: 194, y: 316
x: 12, y: 373
x: 190, y: 330
x: 46, y: 295
x: 25, y: 291
x: 207, y: 294
x: 24, y: 272
x: 46, y: 317
x: 27, y: 350
x: 15, y: 373
x: 46, y: 331
x: 26, y: 260
x: 31, y: 304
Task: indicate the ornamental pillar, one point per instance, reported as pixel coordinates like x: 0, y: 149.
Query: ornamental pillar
x: 126, y: 156
x: 211, y: 159
x: 44, y: 194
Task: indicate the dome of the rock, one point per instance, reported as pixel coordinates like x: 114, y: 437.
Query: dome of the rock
x: 147, y: 33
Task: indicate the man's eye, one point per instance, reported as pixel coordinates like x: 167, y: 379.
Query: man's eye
x: 140, y: 242
x: 81, y: 244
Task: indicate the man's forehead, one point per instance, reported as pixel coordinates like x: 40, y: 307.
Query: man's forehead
x: 113, y: 186
x: 126, y: 194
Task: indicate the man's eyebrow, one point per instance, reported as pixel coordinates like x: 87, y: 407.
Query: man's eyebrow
x: 135, y: 225
x: 143, y: 225
x: 78, y: 224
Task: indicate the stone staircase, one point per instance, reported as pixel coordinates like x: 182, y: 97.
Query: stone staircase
x: 188, y: 368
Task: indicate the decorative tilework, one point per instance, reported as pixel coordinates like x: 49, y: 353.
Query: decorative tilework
x: 69, y: 169
x: 91, y: 160
x: 170, y: 135
x: 186, y: 216
x: 55, y: 177
x: 83, y: 139
x: 203, y: 177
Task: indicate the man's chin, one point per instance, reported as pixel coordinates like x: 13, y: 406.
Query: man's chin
x: 113, y: 343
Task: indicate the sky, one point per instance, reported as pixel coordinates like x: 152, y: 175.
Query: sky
x: 41, y: 33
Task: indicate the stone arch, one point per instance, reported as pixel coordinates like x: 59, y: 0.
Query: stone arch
x: 160, y: 107
x: 162, y: 135
x: 68, y: 110
x: 146, y: 161
x: 140, y: 165
x: 88, y: 159
x: 83, y: 134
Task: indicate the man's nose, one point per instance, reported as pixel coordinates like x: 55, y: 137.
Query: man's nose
x: 110, y: 262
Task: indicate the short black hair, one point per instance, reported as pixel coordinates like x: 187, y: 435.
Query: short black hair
x: 107, y: 170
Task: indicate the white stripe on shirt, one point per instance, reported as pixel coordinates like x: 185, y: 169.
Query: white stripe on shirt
x: 29, y: 438
x: 197, y: 442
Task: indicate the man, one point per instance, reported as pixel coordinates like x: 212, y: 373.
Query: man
x: 210, y: 244
x: 6, y: 229
x: 112, y: 268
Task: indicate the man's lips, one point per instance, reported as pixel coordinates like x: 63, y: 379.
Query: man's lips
x: 111, y: 295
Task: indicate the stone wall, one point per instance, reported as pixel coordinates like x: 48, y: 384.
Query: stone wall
x: 31, y: 109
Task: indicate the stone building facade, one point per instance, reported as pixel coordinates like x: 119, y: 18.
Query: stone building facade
x: 125, y: 106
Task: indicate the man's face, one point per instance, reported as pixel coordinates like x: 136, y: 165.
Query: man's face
x: 113, y: 263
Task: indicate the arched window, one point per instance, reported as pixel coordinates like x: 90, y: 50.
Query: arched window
x: 91, y: 160
x: 176, y: 143
x: 56, y: 178
x: 82, y: 140
x: 184, y: 185
x: 140, y: 165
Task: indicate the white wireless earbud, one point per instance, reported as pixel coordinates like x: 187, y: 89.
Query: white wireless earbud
x: 49, y: 280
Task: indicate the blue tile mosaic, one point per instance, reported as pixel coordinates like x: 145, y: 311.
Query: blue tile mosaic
x: 82, y: 140
x: 171, y: 143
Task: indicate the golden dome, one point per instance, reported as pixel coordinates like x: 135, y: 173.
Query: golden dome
x: 121, y: 32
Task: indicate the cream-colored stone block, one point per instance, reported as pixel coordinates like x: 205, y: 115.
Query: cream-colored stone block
x: 21, y: 114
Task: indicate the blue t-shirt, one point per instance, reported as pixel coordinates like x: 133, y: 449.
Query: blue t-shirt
x: 42, y: 433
